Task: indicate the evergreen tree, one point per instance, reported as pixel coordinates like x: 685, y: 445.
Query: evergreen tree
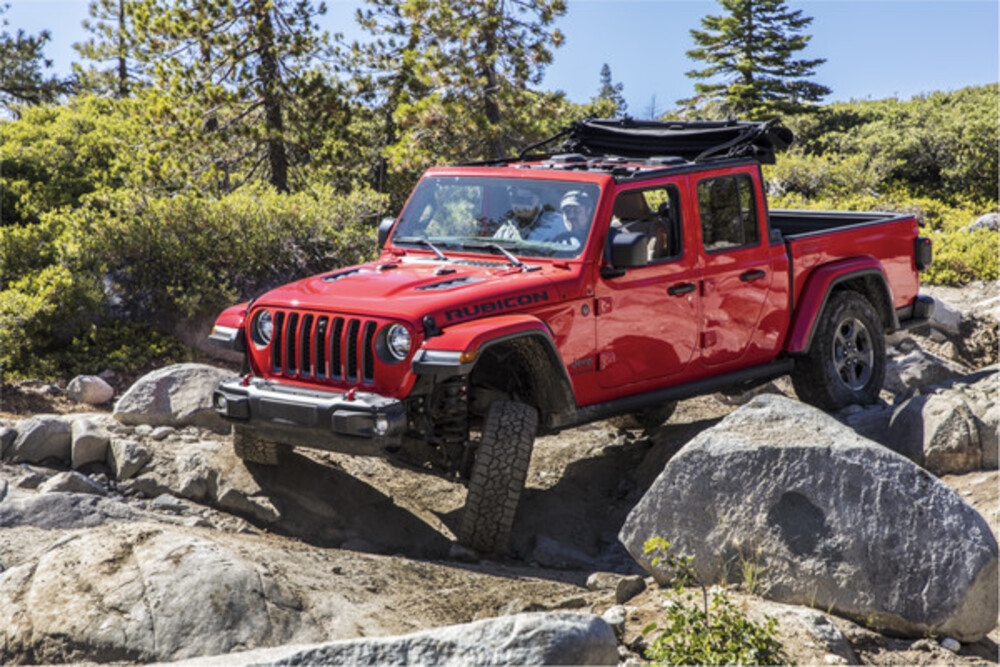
x: 112, y: 46
x: 22, y: 69
x: 751, y: 67
x: 458, y: 73
x: 612, y: 91
x: 252, y: 66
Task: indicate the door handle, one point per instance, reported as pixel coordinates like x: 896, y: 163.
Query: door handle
x: 750, y: 276
x: 681, y: 288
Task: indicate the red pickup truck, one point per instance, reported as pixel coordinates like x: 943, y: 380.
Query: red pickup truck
x: 635, y: 265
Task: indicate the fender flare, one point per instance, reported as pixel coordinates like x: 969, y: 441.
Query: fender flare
x: 456, y: 350
x: 821, y: 284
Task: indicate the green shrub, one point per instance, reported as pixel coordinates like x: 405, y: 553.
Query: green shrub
x: 73, y: 280
x: 187, y: 255
x: 963, y: 256
x: 39, y: 314
x: 712, y: 633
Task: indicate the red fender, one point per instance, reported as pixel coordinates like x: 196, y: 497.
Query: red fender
x: 817, y: 290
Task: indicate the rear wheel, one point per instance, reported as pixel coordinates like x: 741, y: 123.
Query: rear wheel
x: 254, y: 449
x: 846, y: 363
x: 498, y: 475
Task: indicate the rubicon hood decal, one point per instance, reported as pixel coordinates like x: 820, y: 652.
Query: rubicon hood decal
x: 495, y: 306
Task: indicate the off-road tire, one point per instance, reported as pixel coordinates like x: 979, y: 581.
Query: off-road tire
x: 648, y: 420
x: 846, y: 362
x: 498, y: 476
x: 254, y: 449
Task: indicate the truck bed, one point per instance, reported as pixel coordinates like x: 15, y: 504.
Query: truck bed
x: 795, y: 224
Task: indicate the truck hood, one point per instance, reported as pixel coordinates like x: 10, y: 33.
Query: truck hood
x: 411, y: 288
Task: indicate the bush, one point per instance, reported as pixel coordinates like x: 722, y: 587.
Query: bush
x: 713, y: 633
x: 188, y: 255
x: 73, y: 280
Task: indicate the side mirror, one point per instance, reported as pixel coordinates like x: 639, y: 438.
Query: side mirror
x: 629, y: 249
x: 384, y: 228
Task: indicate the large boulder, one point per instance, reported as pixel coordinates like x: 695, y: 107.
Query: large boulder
x: 556, y: 638
x: 179, y: 395
x: 40, y: 438
x: 823, y: 518
x: 142, y: 593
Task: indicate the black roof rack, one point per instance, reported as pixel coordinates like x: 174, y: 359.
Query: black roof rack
x: 694, y: 141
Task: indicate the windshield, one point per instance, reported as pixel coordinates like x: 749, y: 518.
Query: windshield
x: 531, y: 218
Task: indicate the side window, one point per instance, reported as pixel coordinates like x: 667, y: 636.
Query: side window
x: 655, y: 212
x: 728, y: 213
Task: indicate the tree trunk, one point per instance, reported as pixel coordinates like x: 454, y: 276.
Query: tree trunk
x: 271, y: 84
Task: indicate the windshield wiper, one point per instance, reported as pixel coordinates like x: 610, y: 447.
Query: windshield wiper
x: 437, y: 251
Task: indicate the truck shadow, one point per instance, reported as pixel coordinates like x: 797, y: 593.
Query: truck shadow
x: 326, y: 506
x: 575, y: 522
x: 571, y: 524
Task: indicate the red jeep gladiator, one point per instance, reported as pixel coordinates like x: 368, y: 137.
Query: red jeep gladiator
x: 635, y: 265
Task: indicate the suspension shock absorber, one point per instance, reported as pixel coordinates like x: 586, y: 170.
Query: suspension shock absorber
x: 450, y: 414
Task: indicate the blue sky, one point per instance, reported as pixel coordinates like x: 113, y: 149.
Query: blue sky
x: 874, y: 48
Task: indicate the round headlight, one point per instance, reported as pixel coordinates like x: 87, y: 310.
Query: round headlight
x: 263, y: 328
x: 398, y: 341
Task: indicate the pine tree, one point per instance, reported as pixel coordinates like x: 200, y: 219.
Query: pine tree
x: 112, y: 47
x: 751, y: 68
x: 612, y: 91
x: 459, y: 71
x: 22, y: 70
x: 252, y: 66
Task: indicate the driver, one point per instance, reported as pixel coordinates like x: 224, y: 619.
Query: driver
x: 529, y: 219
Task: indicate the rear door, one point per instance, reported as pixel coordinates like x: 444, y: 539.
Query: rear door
x: 744, y: 277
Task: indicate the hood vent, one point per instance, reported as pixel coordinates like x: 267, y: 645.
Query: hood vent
x: 474, y: 262
x: 337, y: 276
x: 454, y: 282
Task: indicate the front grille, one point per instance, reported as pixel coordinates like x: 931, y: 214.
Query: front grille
x: 323, y: 347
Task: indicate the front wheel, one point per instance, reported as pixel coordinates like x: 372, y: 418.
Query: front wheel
x: 498, y: 475
x: 253, y: 449
x: 846, y: 363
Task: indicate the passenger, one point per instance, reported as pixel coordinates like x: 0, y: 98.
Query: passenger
x: 529, y: 219
x: 577, y: 210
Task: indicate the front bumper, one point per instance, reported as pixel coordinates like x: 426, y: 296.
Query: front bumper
x: 353, y: 422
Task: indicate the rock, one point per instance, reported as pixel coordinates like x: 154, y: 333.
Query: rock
x: 812, y: 626
x: 7, y: 438
x: 89, y: 389
x: 557, y: 638
x: 603, y: 581
x: 951, y: 645
x: 162, y: 433
x: 918, y: 370
x: 62, y: 511
x: 989, y: 436
x: 827, y: 519
x: 89, y: 443
x: 72, y: 482
x: 141, y: 593
x: 628, y: 588
x: 126, y: 458
x: 946, y: 318
x: 259, y: 508
x: 615, y: 617
x: 990, y: 221
x: 41, y: 437
x: 179, y: 395
x: 943, y: 429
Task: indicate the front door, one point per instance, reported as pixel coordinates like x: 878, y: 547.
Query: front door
x: 647, y: 319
